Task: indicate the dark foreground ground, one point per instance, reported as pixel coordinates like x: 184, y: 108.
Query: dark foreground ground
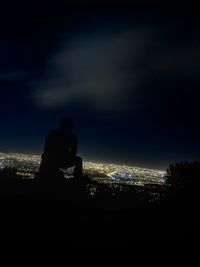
x: 35, y: 210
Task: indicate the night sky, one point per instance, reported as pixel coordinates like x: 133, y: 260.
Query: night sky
x: 128, y: 75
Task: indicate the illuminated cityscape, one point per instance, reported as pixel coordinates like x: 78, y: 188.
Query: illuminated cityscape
x: 27, y: 165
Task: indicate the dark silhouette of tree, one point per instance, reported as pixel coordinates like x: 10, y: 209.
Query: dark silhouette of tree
x: 183, y: 174
x: 183, y: 181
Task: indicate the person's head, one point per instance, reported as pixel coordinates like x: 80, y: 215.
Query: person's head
x: 66, y: 124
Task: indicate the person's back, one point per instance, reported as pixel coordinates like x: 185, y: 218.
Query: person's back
x: 58, y: 145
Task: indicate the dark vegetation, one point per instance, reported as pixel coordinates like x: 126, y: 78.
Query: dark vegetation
x: 85, y: 213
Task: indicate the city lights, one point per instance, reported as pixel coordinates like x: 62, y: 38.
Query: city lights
x: 27, y: 166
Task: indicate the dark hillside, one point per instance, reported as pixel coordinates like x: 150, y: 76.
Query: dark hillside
x: 83, y: 212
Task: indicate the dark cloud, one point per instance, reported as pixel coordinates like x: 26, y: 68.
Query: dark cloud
x: 107, y: 70
x: 93, y: 69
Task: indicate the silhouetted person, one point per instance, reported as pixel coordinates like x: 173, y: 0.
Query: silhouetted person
x: 60, y: 151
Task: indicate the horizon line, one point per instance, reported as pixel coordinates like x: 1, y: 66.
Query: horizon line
x: 95, y: 161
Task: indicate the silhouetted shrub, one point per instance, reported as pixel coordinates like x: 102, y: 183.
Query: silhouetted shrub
x: 183, y: 175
